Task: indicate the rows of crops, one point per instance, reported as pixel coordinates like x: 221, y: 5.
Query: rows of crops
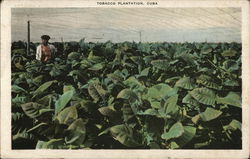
x: 127, y: 96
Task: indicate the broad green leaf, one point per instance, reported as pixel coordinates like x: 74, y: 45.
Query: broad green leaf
x: 74, y: 56
x: 46, y: 100
x: 233, y: 125
x: 43, y: 87
x: 96, y: 91
x: 115, y: 77
x: 113, y: 116
x: 161, y: 64
x: 32, y: 109
x: 190, y: 100
x: 171, y: 106
x: 203, y: 95
x: 97, y: 67
x: 102, y: 93
x: 67, y: 115
x: 161, y: 91
x: 107, y: 111
x: 206, y: 50
x: 68, y: 88
x: 93, y: 58
x: 187, y: 136
x: 134, y: 84
x: 189, y: 59
x: 19, y: 66
x: 39, y: 144
x: 77, y: 132
x: 230, y: 65
x: 174, y: 145
x: 127, y: 112
x: 84, y: 64
x: 74, y: 73
x: 229, y: 53
x: 185, y: 83
x: 125, y: 73
x: 174, y: 132
x: 196, y: 118
x: 162, y: 114
x: 210, y: 114
x: 127, y: 94
x: 57, y: 70
x: 148, y: 59
x: 63, y: 101
x: 232, y: 98
x: 180, y: 51
x: 155, y: 103
x: 38, y: 80
x: 93, y: 92
x: 208, y: 82
x: 232, y: 83
x: 173, y: 62
x: 118, y: 55
x: 144, y: 72
x: 124, y: 134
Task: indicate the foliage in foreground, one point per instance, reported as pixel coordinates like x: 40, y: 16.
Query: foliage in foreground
x: 128, y: 95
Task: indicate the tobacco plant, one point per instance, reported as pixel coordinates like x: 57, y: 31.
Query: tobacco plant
x: 127, y: 96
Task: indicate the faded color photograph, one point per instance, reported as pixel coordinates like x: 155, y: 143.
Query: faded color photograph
x: 126, y: 78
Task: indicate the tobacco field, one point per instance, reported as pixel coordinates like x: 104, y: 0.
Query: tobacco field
x: 127, y: 96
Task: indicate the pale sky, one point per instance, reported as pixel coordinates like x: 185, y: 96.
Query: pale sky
x: 124, y: 24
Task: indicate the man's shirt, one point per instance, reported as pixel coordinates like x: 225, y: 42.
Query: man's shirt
x: 43, y: 51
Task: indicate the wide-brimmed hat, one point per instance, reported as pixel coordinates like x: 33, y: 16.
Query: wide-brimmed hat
x: 45, y: 37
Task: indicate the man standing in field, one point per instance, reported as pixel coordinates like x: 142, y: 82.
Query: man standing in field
x: 45, y: 51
